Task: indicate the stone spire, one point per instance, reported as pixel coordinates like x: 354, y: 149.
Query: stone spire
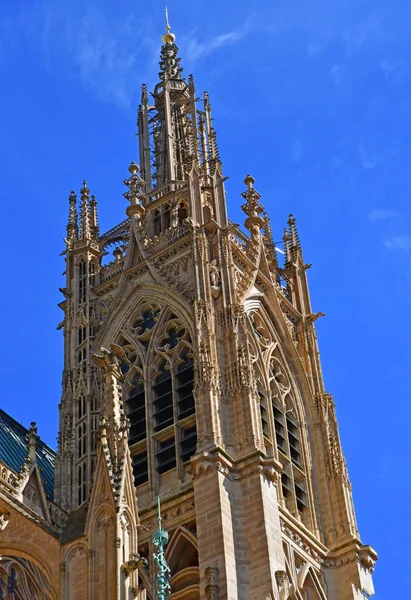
x: 94, y: 227
x: 287, y: 247
x: 269, y: 241
x: 295, y: 240
x: 33, y: 439
x: 85, y: 232
x: 72, y: 225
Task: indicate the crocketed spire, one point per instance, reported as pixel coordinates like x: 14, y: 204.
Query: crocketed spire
x: 72, y: 225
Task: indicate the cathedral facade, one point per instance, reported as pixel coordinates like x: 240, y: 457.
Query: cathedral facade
x: 191, y: 374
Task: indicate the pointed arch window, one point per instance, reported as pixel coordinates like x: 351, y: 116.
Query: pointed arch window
x: 161, y: 409
x: 288, y: 440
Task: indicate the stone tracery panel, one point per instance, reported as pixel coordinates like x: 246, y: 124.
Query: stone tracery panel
x: 21, y: 579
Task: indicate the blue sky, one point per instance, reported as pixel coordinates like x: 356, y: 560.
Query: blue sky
x: 309, y: 96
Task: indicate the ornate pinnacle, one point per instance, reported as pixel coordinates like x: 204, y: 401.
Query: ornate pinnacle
x: 295, y: 240
x: 72, y: 225
x: 144, y: 96
x: 269, y: 241
x: 287, y: 247
x: 94, y: 218
x: 135, y: 194
x: 84, y: 212
x: 33, y: 439
x: 207, y: 105
x: 252, y: 206
x: 160, y: 540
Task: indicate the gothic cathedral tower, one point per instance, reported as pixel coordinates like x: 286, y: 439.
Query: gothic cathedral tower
x: 230, y: 423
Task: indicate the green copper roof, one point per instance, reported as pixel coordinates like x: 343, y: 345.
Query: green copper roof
x: 14, y: 451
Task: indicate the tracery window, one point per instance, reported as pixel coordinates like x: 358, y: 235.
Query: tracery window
x: 281, y: 425
x: 158, y: 391
x: 21, y: 579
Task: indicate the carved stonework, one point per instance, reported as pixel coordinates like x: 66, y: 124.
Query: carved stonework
x: 283, y: 584
x: 211, y: 589
x: 4, y: 519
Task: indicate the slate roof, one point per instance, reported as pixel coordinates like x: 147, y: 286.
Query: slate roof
x: 14, y: 451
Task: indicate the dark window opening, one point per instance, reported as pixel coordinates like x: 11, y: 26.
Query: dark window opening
x: 279, y: 429
x: 163, y: 403
x: 140, y: 468
x: 184, y: 389
x: 188, y: 443
x: 182, y: 213
x: 136, y: 409
x: 166, y: 218
x: 286, y: 485
x: 157, y: 223
x: 265, y: 422
x: 166, y: 455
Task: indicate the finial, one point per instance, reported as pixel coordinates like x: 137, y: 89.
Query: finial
x: 135, y: 194
x: 252, y: 206
x: 168, y: 37
x: 160, y: 540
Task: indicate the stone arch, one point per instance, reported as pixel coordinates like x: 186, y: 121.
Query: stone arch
x: 182, y: 557
x: 309, y: 584
x: 145, y: 292
x: 31, y: 553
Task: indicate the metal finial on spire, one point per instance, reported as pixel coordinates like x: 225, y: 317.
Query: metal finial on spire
x: 168, y: 37
x: 160, y: 540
